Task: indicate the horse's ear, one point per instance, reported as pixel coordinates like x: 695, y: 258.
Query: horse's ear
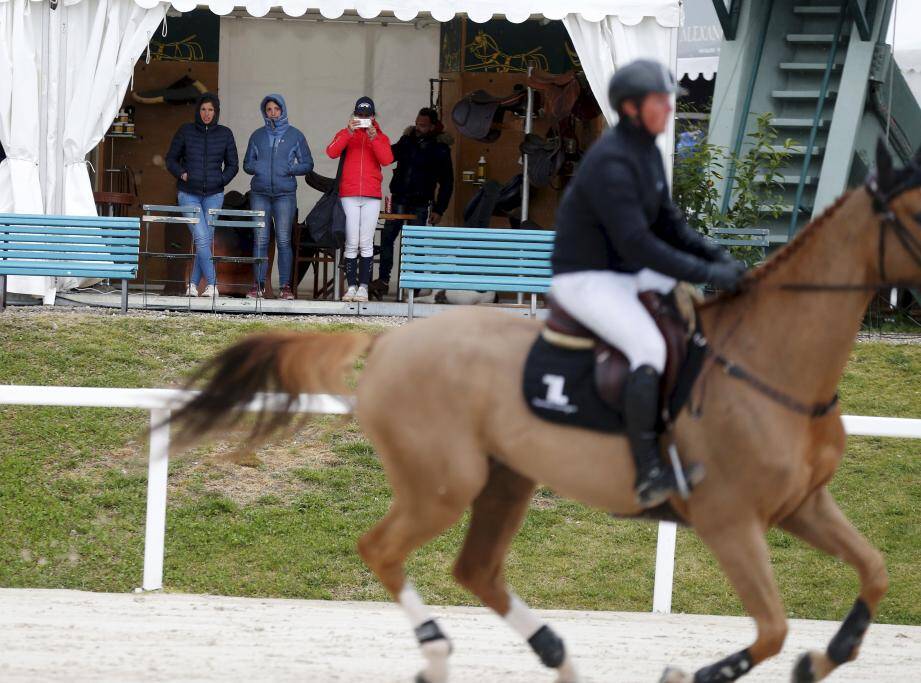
x: 885, y: 173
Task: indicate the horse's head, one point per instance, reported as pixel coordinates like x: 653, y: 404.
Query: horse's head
x: 896, y: 196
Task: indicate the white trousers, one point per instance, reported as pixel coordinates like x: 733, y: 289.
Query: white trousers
x: 606, y: 303
x: 361, y: 216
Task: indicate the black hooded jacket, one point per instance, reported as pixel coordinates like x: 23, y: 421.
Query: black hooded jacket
x: 422, y: 162
x: 617, y: 214
x: 207, y: 153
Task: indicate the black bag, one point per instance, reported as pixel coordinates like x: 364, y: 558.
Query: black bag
x: 326, y: 221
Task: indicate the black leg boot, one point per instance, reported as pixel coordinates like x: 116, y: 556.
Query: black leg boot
x: 351, y: 276
x: 655, y: 482
x: 364, y: 277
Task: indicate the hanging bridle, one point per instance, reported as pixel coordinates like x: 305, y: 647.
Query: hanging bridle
x: 889, y: 222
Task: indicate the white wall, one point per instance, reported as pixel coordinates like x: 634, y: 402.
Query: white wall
x: 321, y: 69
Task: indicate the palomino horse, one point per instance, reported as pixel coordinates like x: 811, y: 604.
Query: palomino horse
x: 441, y: 400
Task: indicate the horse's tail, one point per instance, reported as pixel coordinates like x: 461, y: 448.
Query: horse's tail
x: 286, y: 363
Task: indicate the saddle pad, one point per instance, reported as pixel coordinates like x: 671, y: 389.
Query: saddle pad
x: 559, y: 386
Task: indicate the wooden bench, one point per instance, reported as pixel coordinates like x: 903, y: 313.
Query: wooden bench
x: 69, y: 246
x: 480, y: 259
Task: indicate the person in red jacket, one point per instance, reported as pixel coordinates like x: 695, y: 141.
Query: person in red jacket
x: 366, y: 150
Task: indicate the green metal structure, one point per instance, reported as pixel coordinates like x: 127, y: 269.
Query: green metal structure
x: 823, y: 69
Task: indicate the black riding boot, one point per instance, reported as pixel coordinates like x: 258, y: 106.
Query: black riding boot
x: 655, y: 482
x: 364, y: 270
x: 351, y: 272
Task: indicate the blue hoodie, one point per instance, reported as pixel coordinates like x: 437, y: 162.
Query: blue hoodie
x: 276, y: 154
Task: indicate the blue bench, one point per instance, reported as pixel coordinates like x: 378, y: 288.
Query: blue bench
x: 69, y: 246
x: 759, y: 238
x: 480, y: 259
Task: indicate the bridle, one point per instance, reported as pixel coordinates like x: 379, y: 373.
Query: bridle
x: 889, y: 223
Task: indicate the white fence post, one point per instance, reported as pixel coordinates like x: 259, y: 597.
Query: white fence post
x: 665, y: 568
x: 155, y: 527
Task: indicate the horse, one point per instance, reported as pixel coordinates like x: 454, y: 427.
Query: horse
x: 441, y: 401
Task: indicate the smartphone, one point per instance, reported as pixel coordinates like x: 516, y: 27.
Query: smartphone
x: 362, y: 123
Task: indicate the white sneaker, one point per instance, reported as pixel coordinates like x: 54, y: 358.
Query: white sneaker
x: 349, y: 293
x: 361, y: 294
x: 191, y: 291
x: 210, y: 292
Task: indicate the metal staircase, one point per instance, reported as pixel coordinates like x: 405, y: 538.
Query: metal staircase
x: 816, y: 65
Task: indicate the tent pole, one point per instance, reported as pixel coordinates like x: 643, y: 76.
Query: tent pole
x: 526, y: 186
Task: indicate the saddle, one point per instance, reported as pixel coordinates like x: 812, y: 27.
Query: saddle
x: 545, y: 158
x: 560, y: 91
x: 479, y: 114
x: 574, y: 377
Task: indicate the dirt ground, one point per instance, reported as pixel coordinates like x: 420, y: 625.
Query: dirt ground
x: 58, y: 635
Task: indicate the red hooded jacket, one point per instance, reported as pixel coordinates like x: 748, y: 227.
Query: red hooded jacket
x: 361, y: 174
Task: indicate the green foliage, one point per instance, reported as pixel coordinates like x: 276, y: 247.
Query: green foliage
x: 757, y: 190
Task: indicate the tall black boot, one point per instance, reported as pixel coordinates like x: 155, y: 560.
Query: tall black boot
x: 351, y: 272
x: 655, y: 482
x: 364, y: 270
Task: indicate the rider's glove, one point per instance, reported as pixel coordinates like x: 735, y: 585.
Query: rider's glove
x: 726, y: 275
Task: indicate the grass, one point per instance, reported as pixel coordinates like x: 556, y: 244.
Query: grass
x: 72, y: 494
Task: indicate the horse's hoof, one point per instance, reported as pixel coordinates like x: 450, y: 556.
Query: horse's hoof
x: 812, y: 666
x: 671, y: 675
x: 566, y: 672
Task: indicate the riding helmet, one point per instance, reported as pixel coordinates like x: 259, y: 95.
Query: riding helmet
x: 640, y: 78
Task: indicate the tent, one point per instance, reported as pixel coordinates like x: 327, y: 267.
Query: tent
x: 65, y: 68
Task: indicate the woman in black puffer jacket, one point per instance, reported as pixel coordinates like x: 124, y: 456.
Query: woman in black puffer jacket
x: 203, y: 157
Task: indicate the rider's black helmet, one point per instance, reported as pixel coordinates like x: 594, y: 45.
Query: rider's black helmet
x: 640, y: 78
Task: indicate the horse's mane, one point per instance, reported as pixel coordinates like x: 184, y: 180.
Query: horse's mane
x: 803, y: 237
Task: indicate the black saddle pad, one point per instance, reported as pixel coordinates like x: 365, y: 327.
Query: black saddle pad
x: 559, y: 386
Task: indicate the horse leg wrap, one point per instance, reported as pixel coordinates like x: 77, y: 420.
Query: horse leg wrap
x: 729, y: 669
x: 548, y: 646
x: 436, y: 648
x: 849, y: 636
x: 429, y: 632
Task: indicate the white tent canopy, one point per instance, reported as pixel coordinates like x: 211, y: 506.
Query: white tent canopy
x: 62, y: 84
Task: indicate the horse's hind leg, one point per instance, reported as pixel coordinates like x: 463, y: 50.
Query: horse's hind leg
x: 820, y: 522
x: 418, y: 514
x: 742, y: 551
x: 497, y: 515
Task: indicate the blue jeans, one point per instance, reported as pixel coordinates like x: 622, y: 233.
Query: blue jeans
x: 393, y: 228
x: 202, y: 234
x: 280, y: 211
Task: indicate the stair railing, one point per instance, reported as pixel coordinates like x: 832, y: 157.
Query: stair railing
x: 817, y: 117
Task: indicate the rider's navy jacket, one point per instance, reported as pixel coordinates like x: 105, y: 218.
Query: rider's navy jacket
x: 617, y: 214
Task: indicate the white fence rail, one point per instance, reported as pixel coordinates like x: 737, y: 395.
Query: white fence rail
x: 160, y: 402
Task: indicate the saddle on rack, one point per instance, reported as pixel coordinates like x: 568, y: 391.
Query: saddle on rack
x: 573, y: 377
x: 545, y: 158
x: 479, y: 114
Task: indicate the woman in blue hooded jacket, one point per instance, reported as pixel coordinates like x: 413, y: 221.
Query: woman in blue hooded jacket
x: 276, y: 154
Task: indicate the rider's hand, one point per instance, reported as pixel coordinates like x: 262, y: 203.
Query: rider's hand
x: 726, y: 275
x: 372, y: 132
x: 353, y: 123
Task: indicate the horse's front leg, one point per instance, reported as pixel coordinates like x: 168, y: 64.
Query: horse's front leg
x: 742, y: 551
x: 820, y: 522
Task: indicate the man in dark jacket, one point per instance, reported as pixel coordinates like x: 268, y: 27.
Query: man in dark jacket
x: 203, y: 157
x: 423, y: 179
x: 619, y: 234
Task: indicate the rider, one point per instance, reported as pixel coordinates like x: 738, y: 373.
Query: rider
x: 619, y: 234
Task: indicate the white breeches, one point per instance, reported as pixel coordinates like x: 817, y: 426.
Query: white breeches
x: 361, y: 216
x: 606, y: 303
